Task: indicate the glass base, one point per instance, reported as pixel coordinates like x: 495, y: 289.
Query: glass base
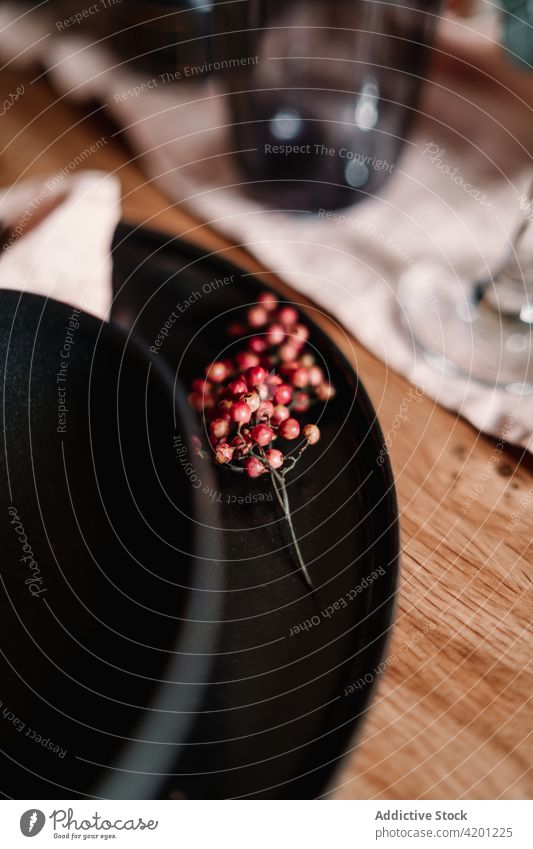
x: 456, y: 334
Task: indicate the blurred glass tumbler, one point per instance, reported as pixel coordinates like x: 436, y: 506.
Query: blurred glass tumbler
x: 322, y: 92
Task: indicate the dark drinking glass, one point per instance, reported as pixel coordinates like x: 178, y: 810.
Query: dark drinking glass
x: 322, y: 92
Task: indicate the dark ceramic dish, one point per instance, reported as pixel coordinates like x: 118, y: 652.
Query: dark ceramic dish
x: 159, y: 641
x: 281, y: 710
x: 103, y: 574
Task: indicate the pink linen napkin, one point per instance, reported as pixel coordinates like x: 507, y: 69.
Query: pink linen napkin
x: 57, y: 234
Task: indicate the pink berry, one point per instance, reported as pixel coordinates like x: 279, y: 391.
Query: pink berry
x: 268, y: 300
x: 255, y: 376
x: 237, y: 387
x: 234, y: 330
x: 254, y: 467
x: 203, y: 387
x: 241, y: 446
x: 265, y: 410
x: 311, y: 433
x: 283, y: 394
x: 223, y: 453
x: 225, y: 405
x: 300, y: 377
x: 325, y: 391
x: 257, y: 344
x: 257, y: 316
x: 300, y: 402
x: 217, y: 372
x: 253, y: 400
x: 275, y: 334
x: 316, y: 376
x: 241, y: 412
x: 287, y: 315
x: 301, y: 332
x: 262, y: 434
x: 288, y: 352
x: 289, y: 429
x: 307, y: 360
x: 246, y: 359
x: 196, y: 401
x: 280, y: 414
x: 201, y: 402
x: 274, y: 458
x: 219, y: 428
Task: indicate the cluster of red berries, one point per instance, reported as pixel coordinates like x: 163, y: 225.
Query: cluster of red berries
x: 252, y: 399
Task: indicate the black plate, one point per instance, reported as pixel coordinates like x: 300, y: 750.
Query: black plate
x: 282, y: 706
x: 106, y: 584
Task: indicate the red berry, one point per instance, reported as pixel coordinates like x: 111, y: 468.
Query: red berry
x: 283, y: 394
x: 225, y: 405
x: 265, y: 410
x: 257, y: 316
x: 300, y: 377
x: 287, y: 315
x: 275, y: 334
x: 300, y: 402
x: 262, y: 434
x: 289, y: 429
x: 217, y: 372
x: 311, y: 433
x: 245, y: 359
x: 268, y: 300
x: 254, y: 467
x: 201, y: 402
x: 316, y: 376
x: 274, y: 458
x: 255, y: 376
x: 219, y: 428
x: 253, y: 400
x: 203, y: 387
x: 257, y: 344
x: 288, y: 352
x: 280, y: 414
x: 223, y: 453
x: 237, y: 387
x: 240, y: 412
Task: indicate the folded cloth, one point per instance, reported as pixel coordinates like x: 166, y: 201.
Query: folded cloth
x: 56, y: 238
x: 453, y: 199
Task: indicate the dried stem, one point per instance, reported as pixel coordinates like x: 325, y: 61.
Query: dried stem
x: 280, y: 489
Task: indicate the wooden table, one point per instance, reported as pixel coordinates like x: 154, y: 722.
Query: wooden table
x: 451, y: 715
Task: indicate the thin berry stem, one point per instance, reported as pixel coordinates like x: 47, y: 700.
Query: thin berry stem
x: 283, y: 498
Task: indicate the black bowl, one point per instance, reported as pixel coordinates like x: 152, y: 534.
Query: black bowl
x: 293, y: 673
x: 107, y: 628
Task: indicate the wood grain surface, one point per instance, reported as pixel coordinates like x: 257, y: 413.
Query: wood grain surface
x: 451, y: 715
